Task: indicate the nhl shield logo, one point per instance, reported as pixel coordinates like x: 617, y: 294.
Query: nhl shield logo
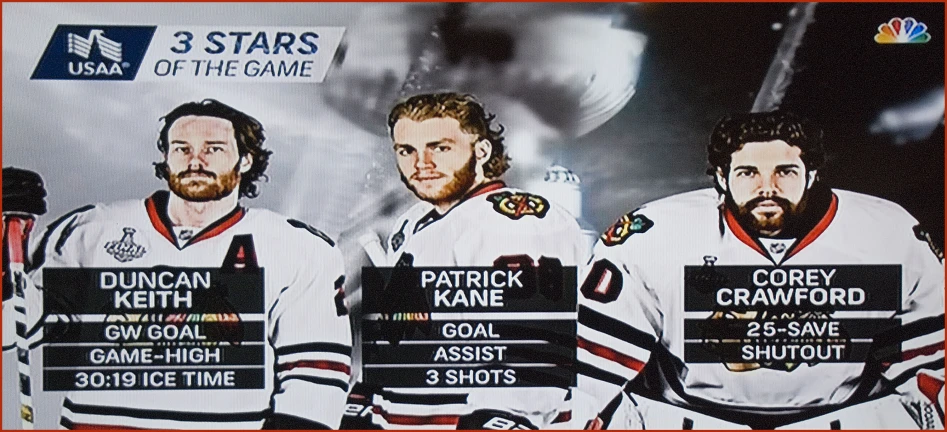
x: 777, y: 248
x: 517, y: 205
x: 126, y: 249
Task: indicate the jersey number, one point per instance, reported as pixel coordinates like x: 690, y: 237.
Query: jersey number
x: 603, y: 284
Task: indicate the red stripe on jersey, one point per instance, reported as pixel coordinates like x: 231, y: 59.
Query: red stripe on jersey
x: 925, y: 350
x: 930, y: 386
x: 86, y: 426
x: 563, y: 417
x: 740, y: 234
x: 413, y: 420
x: 819, y: 228
x: 224, y: 226
x: 156, y: 220
x: 610, y: 354
x: 315, y: 364
x: 487, y: 187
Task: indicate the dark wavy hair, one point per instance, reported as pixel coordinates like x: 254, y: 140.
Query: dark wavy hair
x: 469, y: 112
x: 735, y: 130
x: 247, y: 131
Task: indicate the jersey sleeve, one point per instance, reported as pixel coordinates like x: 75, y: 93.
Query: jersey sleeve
x: 59, y: 246
x: 921, y: 334
x: 312, y: 340
x: 619, y: 323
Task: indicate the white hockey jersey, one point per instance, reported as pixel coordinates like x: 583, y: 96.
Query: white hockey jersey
x: 294, y: 346
x: 492, y: 222
x: 760, y: 331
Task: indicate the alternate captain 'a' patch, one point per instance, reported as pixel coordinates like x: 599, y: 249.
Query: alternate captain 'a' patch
x: 519, y: 204
x: 626, y: 226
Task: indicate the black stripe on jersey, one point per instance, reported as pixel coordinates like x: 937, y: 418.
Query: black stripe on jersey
x: 910, y: 331
x: 302, y: 225
x: 424, y: 399
x: 20, y: 309
x: 886, y: 345
x: 39, y: 255
x: 315, y: 347
x: 615, y: 328
x: 344, y: 385
x: 609, y: 411
x: 588, y: 370
x: 163, y: 415
x: 936, y: 364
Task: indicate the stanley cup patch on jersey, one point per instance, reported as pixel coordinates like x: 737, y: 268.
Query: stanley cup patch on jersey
x: 519, y: 204
x: 125, y: 249
x: 626, y: 226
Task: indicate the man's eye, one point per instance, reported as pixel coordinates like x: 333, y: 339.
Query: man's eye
x: 442, y: 149
x: 180, y: 149
x: 744, y: 173
x: 787, y: 172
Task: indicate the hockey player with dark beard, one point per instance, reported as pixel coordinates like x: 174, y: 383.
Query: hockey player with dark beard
x: 768, y: 301
x: 452, y: 157
x: 291, y: 345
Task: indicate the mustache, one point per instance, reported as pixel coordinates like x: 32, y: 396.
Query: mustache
x: 199, y: 171
x: 418, y: 175
x: 780, y: 201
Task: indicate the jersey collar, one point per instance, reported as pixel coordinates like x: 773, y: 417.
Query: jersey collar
x: 157, y: 207
x: 434, y: 216
x: 816, y: 229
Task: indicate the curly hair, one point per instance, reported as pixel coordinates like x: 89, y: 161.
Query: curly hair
x: 471, y: 115
x: 247, y: 131
x: 735, y: 130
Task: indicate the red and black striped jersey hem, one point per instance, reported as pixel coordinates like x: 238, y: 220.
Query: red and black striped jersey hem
x: 314, y: 347
x: 615, y: 328
x: 315, y: 364
x: 157, y: 207
x: 416, y: 420
x: 585, y: 369
x: 424, y: 399
x: 151, y: 414
x: 340, y: 384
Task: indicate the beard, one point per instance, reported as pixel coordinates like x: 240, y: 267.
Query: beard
x: 460, y: 183
x: 219, y: 186
x: 768, y: 223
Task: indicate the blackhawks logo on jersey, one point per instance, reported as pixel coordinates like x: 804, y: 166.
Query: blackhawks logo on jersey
x: 519, y: 204
x: 626, y: 226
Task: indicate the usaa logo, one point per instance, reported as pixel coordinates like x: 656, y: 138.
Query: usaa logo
x: 94, y: 53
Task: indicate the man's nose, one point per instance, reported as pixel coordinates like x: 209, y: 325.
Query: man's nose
x: 767, y: 187
x: 196, y: 160
x: 425, y: 159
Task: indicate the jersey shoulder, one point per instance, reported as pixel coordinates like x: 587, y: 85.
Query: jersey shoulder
x: 292, y: 231
x: 871, y: 209
x: 878, y: 223
x: 516, y: 209
x: 681, y: 215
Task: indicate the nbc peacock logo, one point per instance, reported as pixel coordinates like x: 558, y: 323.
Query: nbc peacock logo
x: 899, y: 31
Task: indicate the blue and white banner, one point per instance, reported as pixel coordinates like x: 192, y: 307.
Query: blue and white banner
x: 182, y: 53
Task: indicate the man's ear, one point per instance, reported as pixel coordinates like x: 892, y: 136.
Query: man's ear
x: 246, y: 162
x: 482, y: 150
x: 810, y: 178
x: 721, y: 179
